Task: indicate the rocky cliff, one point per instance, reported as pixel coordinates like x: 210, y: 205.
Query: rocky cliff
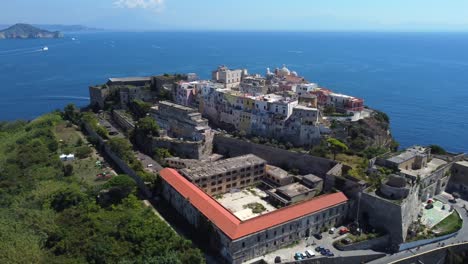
x: 25, y: 31
x: 373, y: 132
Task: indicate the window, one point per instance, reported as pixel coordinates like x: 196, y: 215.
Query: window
x: 220, y: 188
x: 213, y: 190
x: 243, y: 244
x: 228, y: 186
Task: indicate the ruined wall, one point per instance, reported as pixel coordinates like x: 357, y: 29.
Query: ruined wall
x: 305, y: 163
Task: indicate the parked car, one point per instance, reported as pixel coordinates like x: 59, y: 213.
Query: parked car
x: 298, y: 256
x: 309, y: 253
x: 277, y: 259
x: 318, y: 236
x: 343, y: 231
x: 332, y: 230
x: 319, y: 248
x: 330, y: 254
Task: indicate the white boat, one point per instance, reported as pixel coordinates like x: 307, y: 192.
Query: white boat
x: 73, y: 38
x: 45, y: 48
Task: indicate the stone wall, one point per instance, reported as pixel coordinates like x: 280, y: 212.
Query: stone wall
x: 393, y: 216
x: 305, y: 163
x: 123, y: 167
x: 179, y: 148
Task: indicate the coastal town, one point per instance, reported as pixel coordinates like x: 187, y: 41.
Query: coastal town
x: 229, y: 155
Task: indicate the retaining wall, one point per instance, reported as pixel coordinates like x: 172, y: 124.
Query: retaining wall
x: 117, y: 161
x: 305, y: 163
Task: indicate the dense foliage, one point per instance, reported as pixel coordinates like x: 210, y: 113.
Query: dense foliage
x: 139, y: 109
x: 46, y: 217
x: 147, y: 126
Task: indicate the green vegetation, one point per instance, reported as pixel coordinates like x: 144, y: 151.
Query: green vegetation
x: 147, y: 125
x: 46, y: 217
x: 160, y: 154
x: 256, y: 208
x: 438, y: 150
x: 381, y: 116
x: 450, y: 224
x: 336, y: 146
x: 91, y: 120
x: 139, y: 109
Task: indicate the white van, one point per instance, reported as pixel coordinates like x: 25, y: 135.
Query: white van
x: 309, y: 253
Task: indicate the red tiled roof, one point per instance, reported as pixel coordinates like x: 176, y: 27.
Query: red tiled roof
x: 229, y: 223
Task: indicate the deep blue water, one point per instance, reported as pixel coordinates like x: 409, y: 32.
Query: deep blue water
x: 419, y: 79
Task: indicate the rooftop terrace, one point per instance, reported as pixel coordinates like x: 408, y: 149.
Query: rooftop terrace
x: 208, y: 169
x: 238, y: 202
x: 431, y: 166
x: 408, y: 154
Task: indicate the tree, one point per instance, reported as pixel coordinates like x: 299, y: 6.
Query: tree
x: 438, y: 150
x: 336, y: 146
x: 122, y: 148
x: 148, y: 126
x: 83, y: 152
x: 67, y: 198
x: 70, y: 112
x: 118, y: 188
x: 139, y: 109
x: 161, y: 153
x: 68, y: 170
x: 329, y: 109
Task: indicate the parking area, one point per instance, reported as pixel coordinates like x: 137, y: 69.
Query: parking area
x: 309, y: 244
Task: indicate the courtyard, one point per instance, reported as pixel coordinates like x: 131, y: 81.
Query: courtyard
x: 247, y: 203
x: 431, y: 217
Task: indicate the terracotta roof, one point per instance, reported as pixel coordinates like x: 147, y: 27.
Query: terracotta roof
x: 229, y: 223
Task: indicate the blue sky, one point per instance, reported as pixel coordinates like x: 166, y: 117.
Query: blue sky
x: 295, y: 15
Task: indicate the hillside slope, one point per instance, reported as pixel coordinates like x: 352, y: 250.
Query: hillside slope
x: 25, y: 31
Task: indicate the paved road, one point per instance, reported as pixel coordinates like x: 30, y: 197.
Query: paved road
x: 150, y: 164
x: 459, y: 238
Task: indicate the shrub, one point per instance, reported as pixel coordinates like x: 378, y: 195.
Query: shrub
x: 83, y: 152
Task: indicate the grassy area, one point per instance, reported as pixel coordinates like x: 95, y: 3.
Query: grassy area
x: 450, y: 224
x: 358, y: 165
x: 67, y: 135
x: 84, y: 169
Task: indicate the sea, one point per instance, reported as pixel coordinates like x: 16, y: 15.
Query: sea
x: 419, y: 79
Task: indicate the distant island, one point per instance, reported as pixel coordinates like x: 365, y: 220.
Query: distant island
x: 25, y: 31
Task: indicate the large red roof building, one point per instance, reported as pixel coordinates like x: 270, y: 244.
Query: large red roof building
x: 243, y: 240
